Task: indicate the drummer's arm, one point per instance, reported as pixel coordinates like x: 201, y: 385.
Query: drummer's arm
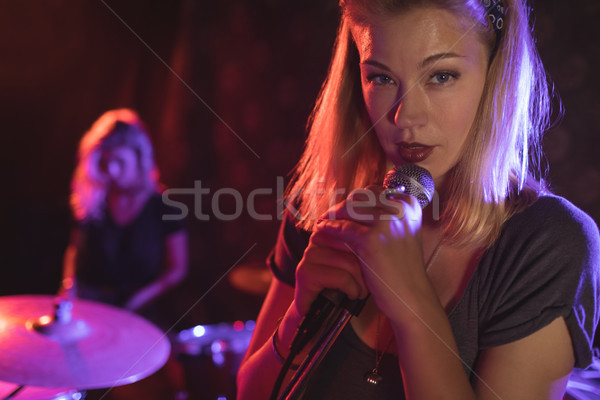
x: 260, y: 367
x: 175, y: 270
x: 68, y: 283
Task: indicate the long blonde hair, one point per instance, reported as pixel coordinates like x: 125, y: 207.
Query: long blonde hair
x: 120, y: 127
x: 494, y: 177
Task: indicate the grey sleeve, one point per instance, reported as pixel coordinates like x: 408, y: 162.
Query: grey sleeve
x: 546, y: 266
x: 288, y: 251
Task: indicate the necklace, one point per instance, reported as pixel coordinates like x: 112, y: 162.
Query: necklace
x: 373, y: 377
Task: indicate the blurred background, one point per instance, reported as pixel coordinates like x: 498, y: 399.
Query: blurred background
x: 225, y: 88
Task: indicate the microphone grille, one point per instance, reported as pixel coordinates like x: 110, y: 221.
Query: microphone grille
x: 410, y: 179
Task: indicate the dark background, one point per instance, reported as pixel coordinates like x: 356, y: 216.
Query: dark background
x: 226, y: 88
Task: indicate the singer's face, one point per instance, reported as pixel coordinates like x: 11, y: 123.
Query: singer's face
x: 422, y: 75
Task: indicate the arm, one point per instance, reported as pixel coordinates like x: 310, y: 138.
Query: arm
x: 260, y: 367
x: 68, y: 287
x: 176, y: 268
x: 535, y: 367
x: 322, y: 268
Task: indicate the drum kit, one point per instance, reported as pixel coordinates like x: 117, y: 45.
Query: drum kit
x: 211, y: 356
x: 252, y: 278
x: 56, y: 348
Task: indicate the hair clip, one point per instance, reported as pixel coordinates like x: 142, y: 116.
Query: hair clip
x: 495, y: 13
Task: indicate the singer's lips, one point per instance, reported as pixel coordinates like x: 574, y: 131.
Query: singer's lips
x: 414, y: 152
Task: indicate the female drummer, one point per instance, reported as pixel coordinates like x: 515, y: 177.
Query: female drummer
x: 122, y: 251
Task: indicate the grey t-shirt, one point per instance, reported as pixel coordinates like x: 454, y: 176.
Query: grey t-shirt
x: 544, y: 265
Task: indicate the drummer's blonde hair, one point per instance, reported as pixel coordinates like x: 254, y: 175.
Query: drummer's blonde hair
x: 120, y: 127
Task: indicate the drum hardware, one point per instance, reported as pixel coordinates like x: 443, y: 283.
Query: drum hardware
x: 215, y: 340
x: 82, y: 344
x: 252, y: 278
x: 19, y: 392
x: 211, y: 355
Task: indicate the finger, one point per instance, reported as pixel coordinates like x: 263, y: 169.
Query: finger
x: 312, y: 279
x: 358, y: 202
x: 337, y: 254
x: 395, y: 202
x: 367, y: 212
x: 367, y: 205
x: 411, y: 208
x: 340, y: 233
x: 328, y: 238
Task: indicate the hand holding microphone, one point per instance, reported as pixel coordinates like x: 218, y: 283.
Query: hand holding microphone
x: 334, y: 245
x: 335, y: 242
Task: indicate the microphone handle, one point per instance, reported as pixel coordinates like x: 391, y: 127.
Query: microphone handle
x: 325, y: 303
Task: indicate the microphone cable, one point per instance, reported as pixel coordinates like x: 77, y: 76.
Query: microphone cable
x: 327, y: 301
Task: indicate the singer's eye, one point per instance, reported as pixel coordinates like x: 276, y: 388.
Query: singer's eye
x: 379, y: 79
x: 443, y: 78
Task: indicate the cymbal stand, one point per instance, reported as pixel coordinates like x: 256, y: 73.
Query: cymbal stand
x: 14, y: 392
x: 55, y: 326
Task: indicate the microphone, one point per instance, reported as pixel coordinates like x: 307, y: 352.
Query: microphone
x: 410, y: 179
x: 333, y: 306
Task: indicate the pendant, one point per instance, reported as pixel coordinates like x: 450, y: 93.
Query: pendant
x: 373, y: 377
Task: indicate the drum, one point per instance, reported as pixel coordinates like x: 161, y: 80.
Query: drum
x: 38, y: 393
x: 211, y: 356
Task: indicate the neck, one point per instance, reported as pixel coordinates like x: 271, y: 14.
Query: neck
x: 129, y: 195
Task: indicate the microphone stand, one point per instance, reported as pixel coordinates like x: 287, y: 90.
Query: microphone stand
x: 336, y: 322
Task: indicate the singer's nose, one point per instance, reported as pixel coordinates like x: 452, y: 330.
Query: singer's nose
x: 411, y: 109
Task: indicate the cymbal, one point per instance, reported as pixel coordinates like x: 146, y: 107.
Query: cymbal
x: 88, y: 346
x: 253, y: 278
